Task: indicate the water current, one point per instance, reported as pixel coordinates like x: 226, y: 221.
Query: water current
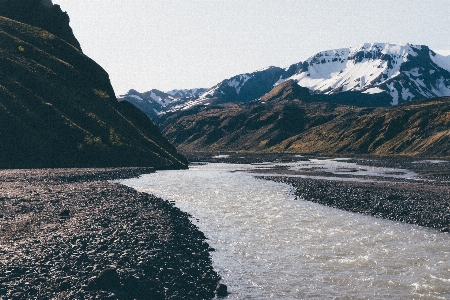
x: 271, y: 246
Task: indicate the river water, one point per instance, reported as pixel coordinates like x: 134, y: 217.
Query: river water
x: 271, y: 246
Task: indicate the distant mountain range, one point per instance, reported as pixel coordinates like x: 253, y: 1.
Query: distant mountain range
x: 283, y: 121
x: 371, y: 75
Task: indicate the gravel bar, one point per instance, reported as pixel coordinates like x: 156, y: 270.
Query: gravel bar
x: 424, y: 202
x: 415, y: 203
x: 71, y: 234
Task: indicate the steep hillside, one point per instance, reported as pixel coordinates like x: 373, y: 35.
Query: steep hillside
x: 415, y: 129
x: 289, y: 120
x: 58, y: 109
x: 254, y: 126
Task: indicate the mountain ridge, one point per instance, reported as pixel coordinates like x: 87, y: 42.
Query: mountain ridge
x: 40, y: 13
x: 283, y: 121
x: 400, y: 72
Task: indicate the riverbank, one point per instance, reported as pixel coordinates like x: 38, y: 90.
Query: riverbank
x: 71, y: 234
x: 423, y: 200
x: 419, y: 204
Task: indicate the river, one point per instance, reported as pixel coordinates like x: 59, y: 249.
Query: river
x: 271, y: 246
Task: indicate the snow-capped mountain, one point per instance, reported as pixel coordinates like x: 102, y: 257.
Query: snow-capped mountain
x: 395, y: 71
x: 155, y: 102
x: 406, y: 72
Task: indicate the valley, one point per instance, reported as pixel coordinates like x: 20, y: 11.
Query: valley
x: 328, y: 178
x: 301, y: 226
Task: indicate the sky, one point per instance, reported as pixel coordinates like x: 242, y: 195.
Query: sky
x: 180, y: 44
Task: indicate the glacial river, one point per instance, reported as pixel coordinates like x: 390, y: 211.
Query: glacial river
x: 271, y: 246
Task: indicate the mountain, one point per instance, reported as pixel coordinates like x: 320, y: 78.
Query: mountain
x: 406, y: 72
x: 370, y: 75
x: 418, y: 128
x: 283, y: 121
x: 40, y: 13
x: 155, y: 101
x: 58, y: 109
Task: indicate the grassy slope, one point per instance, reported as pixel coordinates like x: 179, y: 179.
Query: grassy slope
x: 416, y: 129
x: 58, y: 109
x: 285, y: 124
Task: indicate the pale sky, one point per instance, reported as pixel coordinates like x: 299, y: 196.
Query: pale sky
x: 177, y: 44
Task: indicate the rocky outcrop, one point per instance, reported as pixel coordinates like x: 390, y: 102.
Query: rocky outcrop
x: 40, y: 13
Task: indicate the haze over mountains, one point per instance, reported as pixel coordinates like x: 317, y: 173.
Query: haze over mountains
x: 392, y: 73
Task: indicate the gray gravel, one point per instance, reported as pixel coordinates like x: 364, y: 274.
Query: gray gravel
x: 70, y: 234
x: 424, y: 204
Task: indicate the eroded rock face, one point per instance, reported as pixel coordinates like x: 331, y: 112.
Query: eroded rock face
x: 40, y: 13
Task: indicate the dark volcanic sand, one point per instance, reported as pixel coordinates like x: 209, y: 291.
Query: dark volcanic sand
x: 424, y: 202
x: 70, y: 234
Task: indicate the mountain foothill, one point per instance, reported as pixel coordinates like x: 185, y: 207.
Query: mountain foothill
x: 373, y: 99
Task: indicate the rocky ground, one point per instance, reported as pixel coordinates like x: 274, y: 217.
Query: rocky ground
x: 423, y: 201
x: 71, y: 234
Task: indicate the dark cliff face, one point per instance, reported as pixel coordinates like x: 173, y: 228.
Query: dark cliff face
x: 40, y: 13
x: 58, y: 109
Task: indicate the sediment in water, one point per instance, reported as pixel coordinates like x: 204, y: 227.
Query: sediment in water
x: 71, y: 234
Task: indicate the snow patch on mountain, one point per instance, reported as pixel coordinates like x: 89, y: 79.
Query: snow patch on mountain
x: 442, y: 61
x: 136, y: 97
x: 238, y: 81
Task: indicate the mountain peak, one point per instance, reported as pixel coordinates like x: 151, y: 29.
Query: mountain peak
x: 40, y: 13
x: 405, y: 71
x: 287, y: 90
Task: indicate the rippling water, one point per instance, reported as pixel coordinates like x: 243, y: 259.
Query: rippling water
x: 270, y: 246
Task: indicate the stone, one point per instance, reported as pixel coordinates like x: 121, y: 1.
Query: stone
x: 108, y: 279
x: 221, y: 290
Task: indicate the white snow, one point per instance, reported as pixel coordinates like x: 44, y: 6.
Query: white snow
x: 394, y: 93
x: 281, y: 80
x: 184, y: 92
x: 442, y: 61
x: 440, y: 89
x: 239, y: 81
x: 374, y: 90
x: 209, y: 92
x: 343, y: 74
x: 406, y: 94
x: 136, y: 97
